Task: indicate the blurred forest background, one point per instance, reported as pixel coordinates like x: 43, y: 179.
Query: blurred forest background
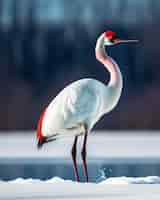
x: 47, y: 44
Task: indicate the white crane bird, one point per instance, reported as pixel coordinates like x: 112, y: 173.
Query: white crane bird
x: 76, y: 109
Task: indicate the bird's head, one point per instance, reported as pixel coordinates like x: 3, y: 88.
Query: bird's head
x: 111, y: 38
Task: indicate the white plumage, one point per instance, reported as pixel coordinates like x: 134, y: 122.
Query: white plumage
x: 81, y: 103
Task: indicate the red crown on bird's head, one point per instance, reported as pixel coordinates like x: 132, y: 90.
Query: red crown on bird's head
x: 109, y: 34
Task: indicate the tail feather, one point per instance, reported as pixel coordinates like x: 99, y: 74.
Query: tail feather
x: 40, y: 144
x: 39, y: 126
x: 45, y: 140
x: 40, y: 136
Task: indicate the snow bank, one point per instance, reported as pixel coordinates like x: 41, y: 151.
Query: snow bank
x: 56, y: 188
x: 114, y: 180
x: 131, y: 180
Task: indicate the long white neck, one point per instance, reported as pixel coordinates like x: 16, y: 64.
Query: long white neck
x: 111, y: 66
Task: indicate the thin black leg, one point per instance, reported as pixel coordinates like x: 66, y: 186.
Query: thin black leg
x: 74, y: 153
x: 83, y: 156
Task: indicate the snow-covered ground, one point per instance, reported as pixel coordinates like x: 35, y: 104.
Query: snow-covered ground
x: 112, y: 189
x: 111, y: 147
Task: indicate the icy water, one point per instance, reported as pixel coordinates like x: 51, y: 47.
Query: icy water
x: 121, y: 166
x: 98, y: 169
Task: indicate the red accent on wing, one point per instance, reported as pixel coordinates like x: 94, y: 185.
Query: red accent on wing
x: 109, y: 33
x: 39, y: 126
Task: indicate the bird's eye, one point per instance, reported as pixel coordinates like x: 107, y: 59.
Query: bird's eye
x: 112, y: 39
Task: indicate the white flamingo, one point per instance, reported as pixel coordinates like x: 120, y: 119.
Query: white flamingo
x: 76, y: 109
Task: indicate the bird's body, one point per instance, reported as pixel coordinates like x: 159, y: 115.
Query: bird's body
x: 76, y: 109
x: 82, y: 102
